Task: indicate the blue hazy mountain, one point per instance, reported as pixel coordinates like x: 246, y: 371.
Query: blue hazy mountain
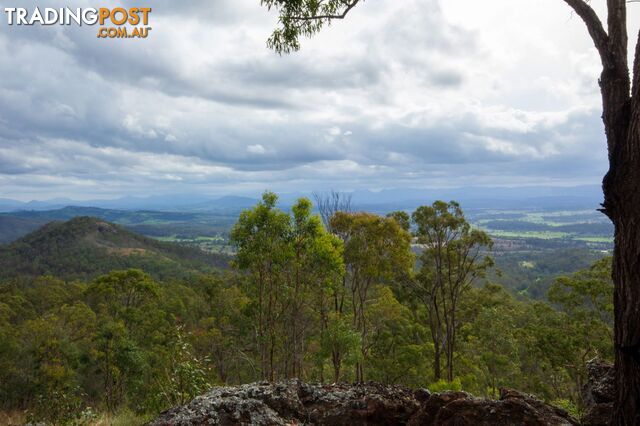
x: 171, y: 202
x: 587, y: 196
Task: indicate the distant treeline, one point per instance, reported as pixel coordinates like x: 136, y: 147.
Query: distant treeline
x: 599, y: 228
x: 532, y: 272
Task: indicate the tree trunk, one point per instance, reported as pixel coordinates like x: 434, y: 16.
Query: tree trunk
x: 621, y: 185
x: 450, y: 361
x: 622, y: 205
x: 437, y: 369
x: 336, y: 358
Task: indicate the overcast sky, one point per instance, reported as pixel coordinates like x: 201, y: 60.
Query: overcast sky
x: 411, y: 93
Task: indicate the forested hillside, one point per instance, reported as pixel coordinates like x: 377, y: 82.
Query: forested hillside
x: 86, y: 247
x: 531, y: 273
x: 339, y: 297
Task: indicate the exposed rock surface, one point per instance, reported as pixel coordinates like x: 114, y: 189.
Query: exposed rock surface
x: 599, y: 393
x: 513, y: 408
x: 297, y: 403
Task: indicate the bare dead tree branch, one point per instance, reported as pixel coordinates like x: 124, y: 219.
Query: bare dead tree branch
x: 328, y: 204
x: 349, y: 6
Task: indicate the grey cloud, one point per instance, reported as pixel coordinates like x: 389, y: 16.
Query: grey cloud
x: 447, y: 79
x: 177, y: 111
x: 227, y: 79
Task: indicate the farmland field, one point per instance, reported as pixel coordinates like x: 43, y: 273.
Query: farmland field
x: 573, y: 228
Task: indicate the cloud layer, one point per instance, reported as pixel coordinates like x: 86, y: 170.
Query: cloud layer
x: 415, y: 93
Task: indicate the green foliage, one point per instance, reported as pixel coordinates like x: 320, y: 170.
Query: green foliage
x: 340, y: 337
x: 61, y: 407
x: 443, y: 385
x: 453, y: 258
x: 303, y: 303
x: 490, y: 340
x: 122, y: 295
x: 532, y: 272
x: 303, y: 18
x: 124, y: 417
x: 376, y: 251
x: 403, y: 218
x: 186, y: 376
x: 569, y: 406
x: 292, y: 264
x: 587, y: 293
x: 587, y: 299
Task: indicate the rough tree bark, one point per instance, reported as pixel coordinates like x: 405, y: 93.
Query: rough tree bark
x: 621, y: 186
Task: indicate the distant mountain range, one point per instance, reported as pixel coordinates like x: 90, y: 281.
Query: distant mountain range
x: 195, y: 216
x: 164, y: 203
x: 85, y: 247
x: 588, y: 196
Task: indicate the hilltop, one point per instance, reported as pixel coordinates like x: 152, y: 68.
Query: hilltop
x: 85, y: 247
x: 146, y: 222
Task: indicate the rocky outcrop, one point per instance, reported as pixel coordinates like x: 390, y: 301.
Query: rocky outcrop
x: 297, y: 403
x: 513, y: 408
x: 599, y: 393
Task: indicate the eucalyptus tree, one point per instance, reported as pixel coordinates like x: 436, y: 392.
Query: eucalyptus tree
x: 124, y: 302
x: 316, y: 266
x: 260, y: 237
x: 376, y: 251
x: 453, y: 257
x: 292, y: 261
x: 620, y: 90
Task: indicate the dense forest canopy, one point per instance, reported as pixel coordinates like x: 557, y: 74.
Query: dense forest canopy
x: 403, y: 299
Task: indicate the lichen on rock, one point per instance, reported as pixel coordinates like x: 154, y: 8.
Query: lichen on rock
x: 296, y: 403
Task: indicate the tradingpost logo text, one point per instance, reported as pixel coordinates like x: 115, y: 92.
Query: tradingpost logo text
x: 114, y: 23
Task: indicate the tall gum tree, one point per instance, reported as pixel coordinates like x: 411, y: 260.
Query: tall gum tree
x: 620, y: 91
